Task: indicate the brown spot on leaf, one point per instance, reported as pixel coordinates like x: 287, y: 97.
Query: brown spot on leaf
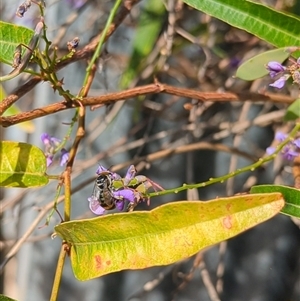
x: 98, y: 262
x: 227, y: 222
x: 108, y: 262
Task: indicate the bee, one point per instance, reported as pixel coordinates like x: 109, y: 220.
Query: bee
x: 112, y: 191
x: 103, y: 191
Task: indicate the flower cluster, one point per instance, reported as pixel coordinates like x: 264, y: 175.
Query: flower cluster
x: 290, y: 150
x: 51, y: 147
x: 112, y: 191
x: 284, y: 73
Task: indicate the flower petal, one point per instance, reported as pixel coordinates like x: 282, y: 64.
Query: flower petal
x: 296, y: 142
x: 100, y: 169
x: 120, y: 205
x: 275, y: 66
x: 127, y: 194
x: 270, y: 150
x: 64, y: 157
x: 289, y: 154
x: 131, y: 172
x: 55, y: 141
x: 45, y: 138
x: 279, y: 83
x: 280, y: 136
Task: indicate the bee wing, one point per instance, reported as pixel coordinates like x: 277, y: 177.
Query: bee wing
x: 95, y: 205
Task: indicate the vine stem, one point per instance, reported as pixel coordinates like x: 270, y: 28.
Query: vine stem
x: 102, y: 39
x: 58, y: 273
x: 80, y: 112
x: 221, y: 179
x: 80, y: 133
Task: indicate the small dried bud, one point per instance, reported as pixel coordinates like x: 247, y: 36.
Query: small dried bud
x: 17, y: 57
x: 22, y: 9
x: 72, y: 45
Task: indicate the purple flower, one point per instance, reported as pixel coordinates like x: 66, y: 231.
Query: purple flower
x: 49, y: 159
x: 119, y: 196
x: 120, y: 205
x: 64, y: 157
x: 130, y: 174
x: 102, y: 169
x: 112, y: 191
x: 275, y: 68
x: 279, y: 83
x: 280, y: 136
x: 46, y: 138
x: 51, y: 147
x: 290, y: 151
x: 127, y: 194
x: 270, y: 150
x: 55, y: 141
x: 296, y: 142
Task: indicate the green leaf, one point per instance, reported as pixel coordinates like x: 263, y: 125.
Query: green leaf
x: 290, y: 194
x: 256, y: 66
x: 22, y: 165
x: 278, y: 28
x: 169, y: 233
x: 293, y: 111
x: 11, y: 36
x: 5, y: 298
x: 148, y: 29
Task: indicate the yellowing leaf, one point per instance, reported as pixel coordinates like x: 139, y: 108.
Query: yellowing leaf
x: 162, y: 236
x: 21, y: 165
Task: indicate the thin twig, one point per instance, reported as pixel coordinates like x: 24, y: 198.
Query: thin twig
x: 144, y: 90
x: 211, y: 290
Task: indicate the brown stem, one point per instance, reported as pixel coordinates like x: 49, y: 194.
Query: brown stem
x: 144, y: 90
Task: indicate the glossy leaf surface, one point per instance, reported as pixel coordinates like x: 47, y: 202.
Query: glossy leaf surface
x: 169, y: 233
x: 290, y: 194
x: 11, y: 36
x: 271, y: 25
x: 21, y: 165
